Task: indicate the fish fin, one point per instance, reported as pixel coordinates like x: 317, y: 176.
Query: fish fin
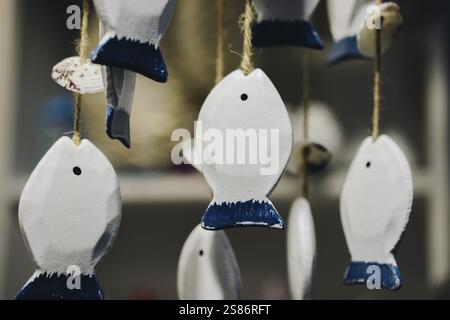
x: 290, y: 33
x: 54, y: 287
x: 142, y: 58
x: 118, y: 126
x: 251, y: 213
x: 359, y: 272
x: 345, y: 49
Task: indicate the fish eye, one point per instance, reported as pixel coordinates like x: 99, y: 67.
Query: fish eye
x: 368, y: 164
x: 200, y: 253
x: 76, y: 171
x: 244, y: 97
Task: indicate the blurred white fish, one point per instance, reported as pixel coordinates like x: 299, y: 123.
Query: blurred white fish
x: 353, y: 25
x: 301, y: 250
x: 134, y: 29
x: 375, y: 203
x: 285, y: 22
x: 207, y: 268
x: 69, y: 214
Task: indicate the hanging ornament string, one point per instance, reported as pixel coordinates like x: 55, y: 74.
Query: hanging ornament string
x: 83, y: 50
x: 245, y: 23
x: 307, y: 55
x: 220, y: 54
x: 377, y: 81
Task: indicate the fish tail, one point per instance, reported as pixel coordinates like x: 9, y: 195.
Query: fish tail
x: 251, y: 213
x: 118, y: 125
x: 293, y: 33
x: 129, y: 54
x: 55, y: 287
x: 343, y: 50
x: 384, y: 275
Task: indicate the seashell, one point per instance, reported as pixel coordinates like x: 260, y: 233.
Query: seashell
x: 74, y: 76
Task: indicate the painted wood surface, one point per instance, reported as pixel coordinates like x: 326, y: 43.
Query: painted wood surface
x: 375, y: 204
x: 301, y: 250
x: 249, y: 104
x: 69, y: 211
x: 207, y: 268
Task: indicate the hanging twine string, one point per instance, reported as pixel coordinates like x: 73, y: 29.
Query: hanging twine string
x: 83, y: 50
x: 220, y: 54
x: 377, y: 83
x: 245, y: 23
x: 307, y: 55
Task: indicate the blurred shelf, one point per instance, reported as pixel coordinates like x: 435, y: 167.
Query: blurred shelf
x: 184, y: 188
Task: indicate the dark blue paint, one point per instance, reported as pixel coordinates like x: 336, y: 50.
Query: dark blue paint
x: 118, y: 125
x: 54, y: 287
x: 357, y: 273
x: 242, y: 214
x: 345, y: 49
x: 109, y: 118
x: 286, y: 33
x: 132, y: 55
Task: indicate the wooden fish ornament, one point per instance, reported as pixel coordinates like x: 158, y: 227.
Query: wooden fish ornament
x: 353, y: 25
x: 69, y: 214
x: 77, y: 77
x: 247, y: 134
x: 134, y: 29
x: 375, y: 205
x: 207, y: 268
x: 285, y: 22
x: 301, y: 250
x: 120, y: 88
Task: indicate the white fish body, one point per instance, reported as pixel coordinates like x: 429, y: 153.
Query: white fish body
x: 240, y: 189
x: 134, y: 29
x: 301, y: 249
x: 285, y: 22
x: 207, y: 268
x: 375, y: 203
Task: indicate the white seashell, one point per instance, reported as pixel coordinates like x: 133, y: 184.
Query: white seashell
x: 74, y: 76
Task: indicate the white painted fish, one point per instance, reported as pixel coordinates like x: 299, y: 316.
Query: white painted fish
x: 375, y: 203
x: 247, y: 110
x: 120, y: 87
x: 301, y: 250
x: 285, y: 22
x: 207, y: 268
x: 134, y: 29
x: 350, y: 21
x: 69, y: 214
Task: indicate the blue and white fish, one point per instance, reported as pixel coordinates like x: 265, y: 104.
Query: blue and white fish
x: 134, y: 29
x: 285, y: 22
x: 69, y: 215
x: 248, y: 109
x: 350, y: 21
x: 375, y: 203
x: 207, y: 268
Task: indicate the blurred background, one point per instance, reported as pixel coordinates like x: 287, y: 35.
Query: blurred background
x: 163, y: 203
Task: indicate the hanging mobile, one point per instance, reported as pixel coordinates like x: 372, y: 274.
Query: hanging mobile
x: 376, y: 201
x: 353, y: 32
x: 285, y: 22
x: 69, y: 212
x: 244, y: 101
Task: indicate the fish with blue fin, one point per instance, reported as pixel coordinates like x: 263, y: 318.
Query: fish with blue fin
x: 207, y: 268
x: 353, y: 27
x: 134, y: 29
x: 285, y: 23
x: 69, y: 215
x: 375, y: 205
x: 250, y: 140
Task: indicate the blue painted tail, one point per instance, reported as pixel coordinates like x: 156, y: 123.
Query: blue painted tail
x: 359, y: 272
x: 118, y: 125
x: 251, y: 213
x: 345, y: 49
x: 142, y: 58
x: 54, y: 287
x: 286, y: 33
